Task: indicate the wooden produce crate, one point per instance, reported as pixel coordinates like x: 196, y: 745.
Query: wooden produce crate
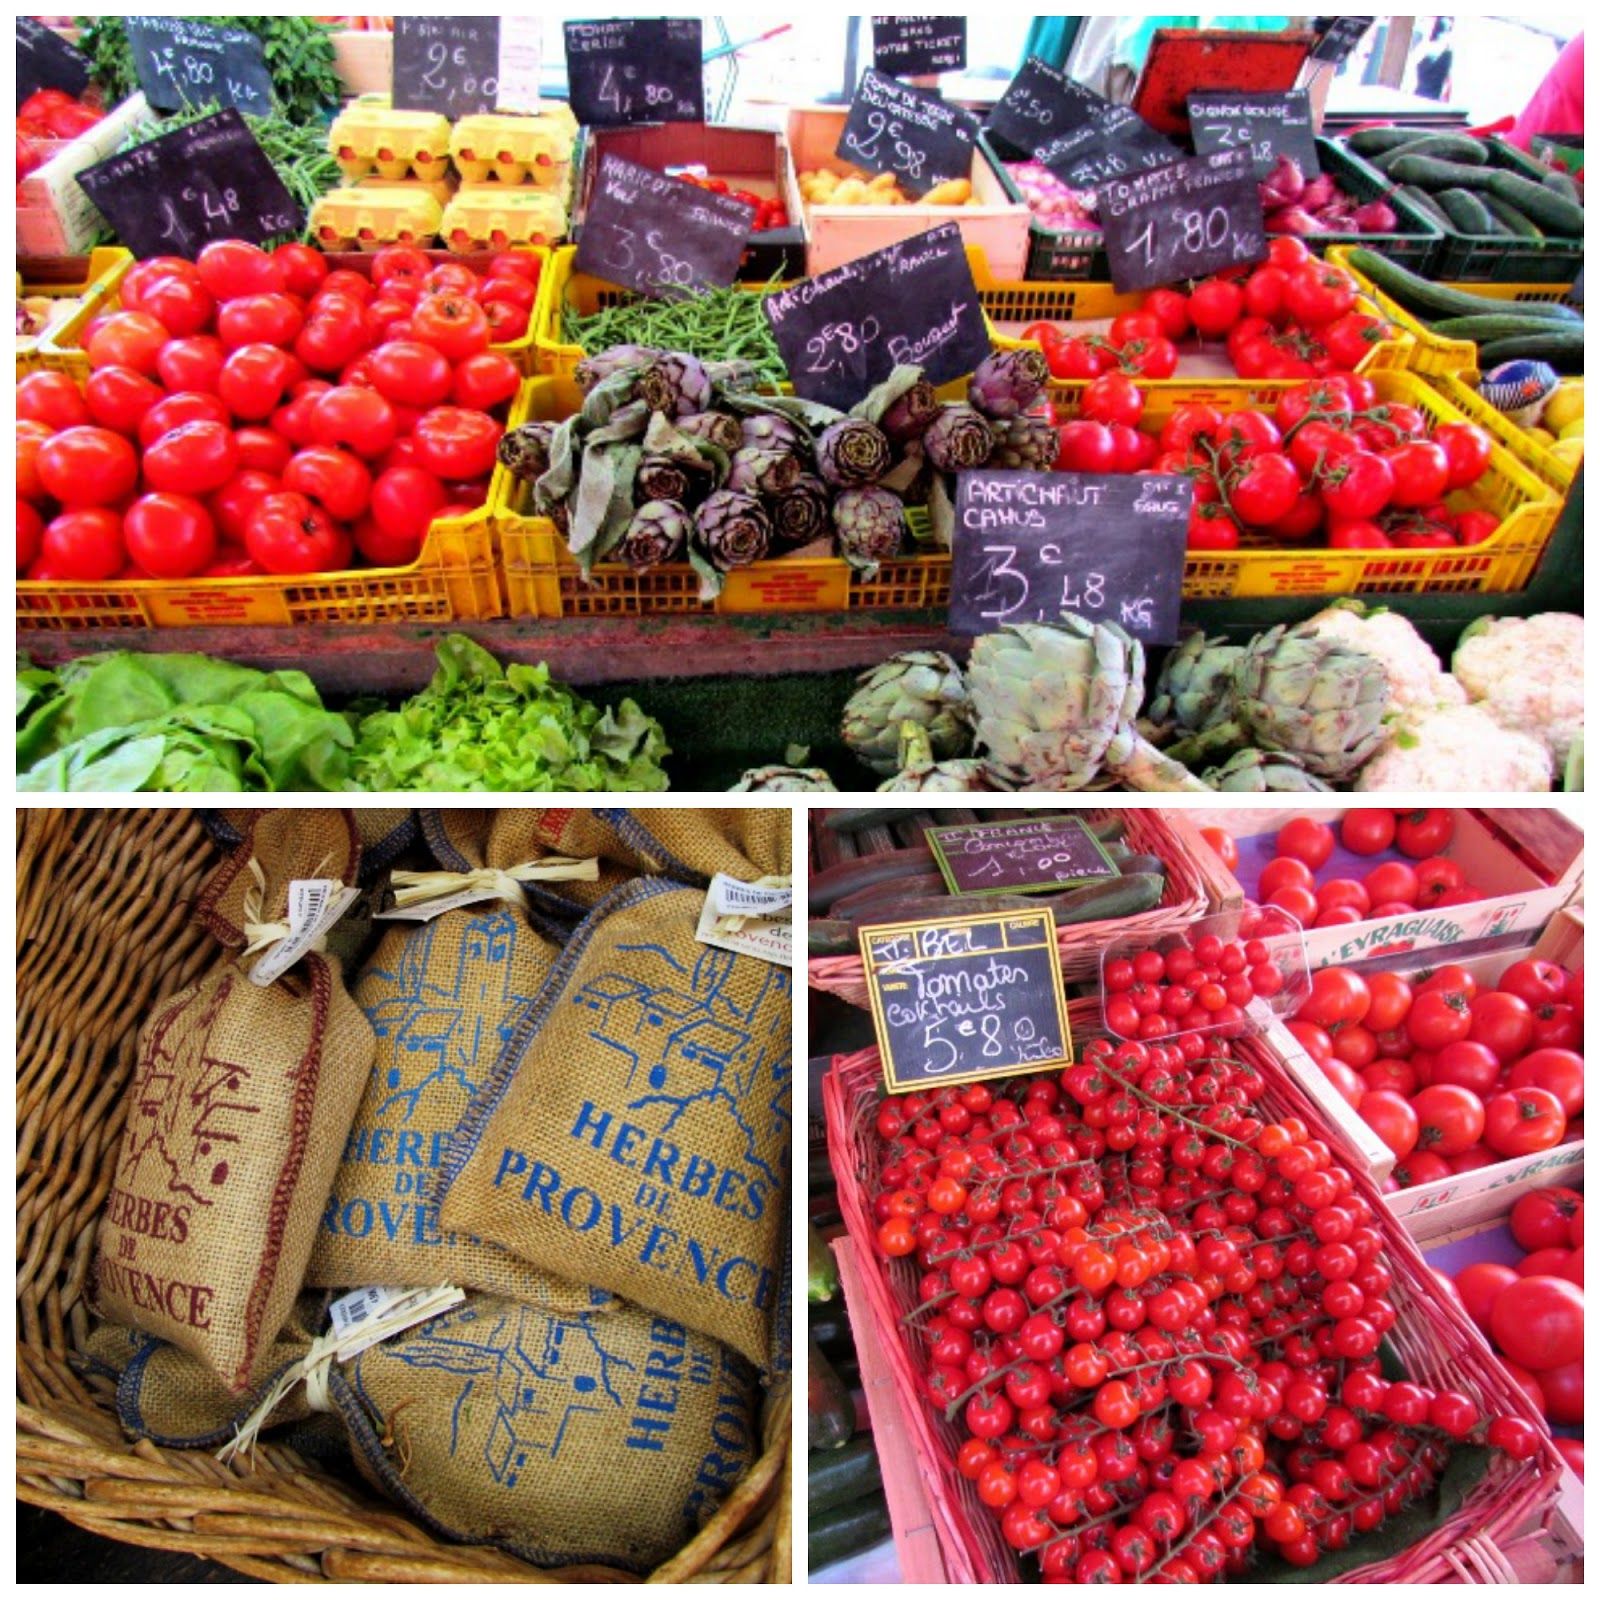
x: 54, y: 216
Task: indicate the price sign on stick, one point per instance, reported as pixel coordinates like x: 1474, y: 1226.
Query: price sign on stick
x: 174, y: 195
x: 637, y: 69
x: 660, y: 235
x: 46, y: 61
x: 1339, y: 36
x: 1183, y: 221
x: 912, y: 304
x: 964, y: 998
x: 918, y: 47
x: 181, y: 62
x: 1029, y: 854
x: 1031, y: 545
x: 893, y: 127
x: 1266, y: 126
x: 1117, y: 144
x: 446, y: 64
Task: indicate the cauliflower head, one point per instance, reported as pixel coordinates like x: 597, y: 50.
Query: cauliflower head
x: 1458, y: 747
x: 1527, y: 672
x: 1417, y: 680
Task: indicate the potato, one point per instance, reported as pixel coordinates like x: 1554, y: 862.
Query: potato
x: 952, y: 192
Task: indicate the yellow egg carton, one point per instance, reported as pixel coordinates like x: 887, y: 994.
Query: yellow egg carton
x: 442, y: 188
x: 493, y: 216
x: 512, y: 149
x: 367, y: 218
x: 370, y: 136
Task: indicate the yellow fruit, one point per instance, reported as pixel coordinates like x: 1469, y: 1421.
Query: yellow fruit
x: 1573, y: 430
x: 1569, y: 451
x: 1564, y: 406
x: 1541, y: 436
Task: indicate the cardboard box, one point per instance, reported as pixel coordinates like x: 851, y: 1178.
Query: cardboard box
x: 364, y: 60
x: 54, y: 216
x: 1530, y: 862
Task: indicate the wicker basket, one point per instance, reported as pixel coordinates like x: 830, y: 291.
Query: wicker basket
x: 1196, y: 884
x: 1481, y: 1543
x: 103, y: 933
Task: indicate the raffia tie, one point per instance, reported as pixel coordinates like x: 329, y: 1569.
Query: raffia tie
x: 503, y: 883
x: 260, y: 935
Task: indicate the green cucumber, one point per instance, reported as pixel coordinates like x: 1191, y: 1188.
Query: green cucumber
x: 1486, y: 329
x: 1561, y: 183
x: 1433, y: 175
x: 1369, y: 142
x: 822, y: 1276
x: 1429, y: 300
x: 1424, y: 202
x: 830, y: 1412
x: 1551, y: 211
x: 837, y: 1478
x: 1561, y: 347
x: 1511, y: 218
x: 846, y: 1532
x: 1468, y: 214
x: 1439, y: 147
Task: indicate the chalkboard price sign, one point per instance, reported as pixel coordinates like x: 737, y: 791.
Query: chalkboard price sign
x: 914, y: 303
x: 893, y: 127
x: 637, y: 69
x: 1041, y: 105
x: 1183, y: 221
x: 965, y: 998
x: 46, y: 61
x: 918, y: 47
x: 181, y: 63
x: 1338, y: 36
x: 660, y: 235
x: 1018, y: 857
x: 1265, y: 125
x: 174, y: 195
x: 446, y: 64
x: 1032, y: 545
x: 1116, y: 144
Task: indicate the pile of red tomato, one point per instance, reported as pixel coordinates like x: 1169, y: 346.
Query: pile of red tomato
x: 46, y: 118
x: 1156, y: 1313
x: 1533, y: 1313
x: 1329, y: 461
x: 250, y: 413
x: 1449, y: 1073
x: 1205, y: 984
x: 1292, y: 317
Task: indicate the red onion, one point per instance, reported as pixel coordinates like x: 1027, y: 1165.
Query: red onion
x: 1283, y: 185
x: 1292, y: 219
x: 1319, y: 194
x: 1376, y: 216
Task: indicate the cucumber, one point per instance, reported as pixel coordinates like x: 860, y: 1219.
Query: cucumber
x: 846, y: 1532
x: 1512, y: 219
x: 1426, y: 204
x: 840, y: 1477
x: 1433, y: 175
x: 1486, y: 329
x: 822, y: 1277
x: 1468, y: 214
x: 830, y: 1412
x: 848, y: 905
x: 1561, y: 347
x: 1371, y: 142
x: 1109, y: 899
x: 1430, y: 300
x: 1561, y: 183
x: 830, y: 936
x: 1439, y: 147
x: 1551, y: 211
x: 834, y: 883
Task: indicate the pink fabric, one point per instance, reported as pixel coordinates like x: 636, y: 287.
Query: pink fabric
x: 1557, y: 104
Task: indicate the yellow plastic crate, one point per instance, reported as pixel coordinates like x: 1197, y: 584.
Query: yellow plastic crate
x: 1460, y: 389
x: 1429, y: 354
x: 33, y: 355
x: 62, y: 348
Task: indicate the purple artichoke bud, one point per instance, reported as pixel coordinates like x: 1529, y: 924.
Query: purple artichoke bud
x: 1008, y: 382
x: 910, y: 416
x: 712, y: 427
x: 801, y: 513
x: 1024, y: 444
x: 561, y: 516
x: 607, y: 363
x: 769, y: 431
x: 762, y: 471
x: 658, y: 532
x: 871, y: 526
x: 525, y: 451
x: 676, y: 383
x: 959, y: 439
x: 732, y: 529
x: 668, y: 478
x: 852, y: 453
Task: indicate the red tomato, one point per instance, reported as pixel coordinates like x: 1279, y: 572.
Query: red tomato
x: 262, y: 450
x: 1221, y: 841
x: 120, y: 398
x: 30, y: 534
x: 1350, y: 339
x: 1266, y: 491
x: 193, y: 364
x: 1563, y: 1395
x: 330, y: 343
x: 304, y: 269
x: 1263, y: 293
x: 1344, y: 892
x: 170, y: 535
x: 192, y: 459
x: 1390, y: 1116
x: 1366, y: 831
x: 1150, y: 358
x: 288, y: 534
x: 1556, y: 1028
x: 177, y: 411
x: 485, y: 381
x: 360, y: 419
x: 1468, y: 1065
x: 231, y: 269
x: 456, y: 444
x: 1543, y: 1220
x: 127, y: 339
x: 1480, y: 1285
x: 1450, y: 979
x: 1357, y: 484
x: 508, y: 322
x: 53, y: 399
x: 1450, y: 1119
x: 1436, y: 878
x: 1075, y: 358
x: 1388, y: 1072
x: 1538, y: 982
x: 1286, y: 872
x: 1170, y: 308
x: 31, y: 437
x: 453, y: 324
x: 1357, y: 535
x: 1437, y: 1018
x: 408, y: 372
x: 1538, y: 1322
x: 1306, y: 841
x: 87, y: 466
x: 1317, y: 294
x: 405, y: 500
x: 179, y: 303
x: 1086, y: 447
x: 1211, y: 528
x: 231, y: 506
x: 1391, y: 881
x: 1301, y: 904
x: 1130, y: 325
x: 335, y: 479
x: 1560, y: 1072
x: 1519, y: 1121
x: 259, y: 319
x: 1503, y: 1023
x: 1466, y: 447
x: 254, y: 379
x: 84, y: 546
x: 1390, y: 1000
x: 1215, y: 307
x: 1113, y: 398
x: 1316, y: 444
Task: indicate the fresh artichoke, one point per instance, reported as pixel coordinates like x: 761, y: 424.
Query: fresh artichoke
x: 958, y: 440
x: 731, y: 530
x: 923, y: 688
x: 1007, y: 382
x: 712, y: 427
x: 803, y: 512
x: 910, y: 416
x: 675, y: 383
x: 852, y: 453
x: 1263, y: 772
x: 756, y: 471
x: 768, y: 431
x: 524, y: 451
x: 1055, y: 703
x: 1024, y: 444
x: 870, y: 525
x: 1192, y: 691
x: 920, y: 774
x: 784, y: 780
x: 659, y: 531
x: 662, y: 477
x: 605, y: 364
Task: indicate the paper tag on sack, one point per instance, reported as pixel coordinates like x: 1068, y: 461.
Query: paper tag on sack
x: 315, y: 904
x: 767, y: 938
x: 366, y: 1317
x: 735, y: 899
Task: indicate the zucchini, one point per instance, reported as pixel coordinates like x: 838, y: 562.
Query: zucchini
x: 1371, y: 142
x: 839, y: 1477
x: 846, y: 1532
x: 830, y: 936
x: 1561, y: 347
x: 1467, y: 213
x: 1512, y: 218
x: 830, y: 1327
x: 834, y: 883
x: 896, y: 888
x: 830, y: 1412
x: 1551, y: 211
x: 1430, y: 300
x: 822, y: 1277
x: 1486, y: 329
x: 1426, y: 204
x: 1433, y: 175
x: 1456, y: 147
x: 1106, y: 900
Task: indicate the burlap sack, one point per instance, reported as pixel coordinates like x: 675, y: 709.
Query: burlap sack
x: 442, y: 997
x: 386, y: 832
x: 674, y: 842
x: 237, y: 1115
x: 635, y: 1132
x: 608, y: 1437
